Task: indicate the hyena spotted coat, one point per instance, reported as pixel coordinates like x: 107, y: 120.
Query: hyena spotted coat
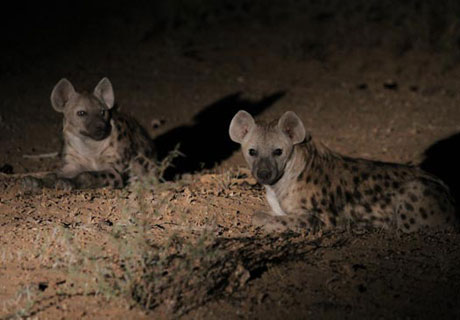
x: 309, y: 186
x: 102, y: 147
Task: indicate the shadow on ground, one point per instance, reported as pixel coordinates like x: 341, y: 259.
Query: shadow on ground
x: 442, y: 160
x: 206, y: 142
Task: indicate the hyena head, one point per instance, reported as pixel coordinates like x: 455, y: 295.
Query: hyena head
x: 85, y: 114
x: 267, y: 148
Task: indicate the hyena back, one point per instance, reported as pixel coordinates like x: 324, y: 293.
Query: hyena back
x: 101, y: 146
x: 309, y: 186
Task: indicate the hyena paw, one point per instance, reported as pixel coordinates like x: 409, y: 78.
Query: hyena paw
x: 268, y: 222
x: 49, y: 180
x: 64, y: 184
x: 260, y: 218
x: 30, y: 185
x: 85, y: 180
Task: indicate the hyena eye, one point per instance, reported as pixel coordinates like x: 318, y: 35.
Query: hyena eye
x: 81, y: 113
x: 252, y: 152
x: 102, y: 112
x: 277, y: 152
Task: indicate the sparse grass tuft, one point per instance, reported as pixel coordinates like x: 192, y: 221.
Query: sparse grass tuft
x: 148, y: 261
x: 23, y: 303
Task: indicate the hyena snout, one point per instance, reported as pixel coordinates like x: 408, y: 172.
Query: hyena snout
x: 99, y: 130
x: 265, y: 172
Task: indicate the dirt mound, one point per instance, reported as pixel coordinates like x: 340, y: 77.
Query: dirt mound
x: 187, y: 248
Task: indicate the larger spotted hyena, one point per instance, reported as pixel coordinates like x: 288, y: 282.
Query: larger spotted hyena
x: 102, y: 147
x: 309, y: 186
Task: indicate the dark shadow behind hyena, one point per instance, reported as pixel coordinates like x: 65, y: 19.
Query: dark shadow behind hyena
x: 102, y: 147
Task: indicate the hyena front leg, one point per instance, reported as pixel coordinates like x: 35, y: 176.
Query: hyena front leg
x: 30, y: 184
x: 91, y: 180
x: 269, y: 222
x: 300, y: 222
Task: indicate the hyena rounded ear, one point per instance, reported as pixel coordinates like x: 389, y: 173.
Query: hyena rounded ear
x: 104, y: 91
x: 61, y: 93
x: 292, y: 126
x: 241, y: 123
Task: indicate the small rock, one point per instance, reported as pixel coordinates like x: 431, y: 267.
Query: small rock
x: 359, y: 266
x: 390, y: 85
x: 261, y: 297
x: 107, y: 222
x: 362, y: 288
x: 6, y: 168
x: 238, y: 279
x: 42, y: 286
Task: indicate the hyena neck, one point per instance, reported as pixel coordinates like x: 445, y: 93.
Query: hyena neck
x: 304, y: 157
x: 83, y: 146
x: 294, y: 166
x: 319, y: 151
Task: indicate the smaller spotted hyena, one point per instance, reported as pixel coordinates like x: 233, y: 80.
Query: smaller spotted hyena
x: 101, y: 146
x: 309, y: 186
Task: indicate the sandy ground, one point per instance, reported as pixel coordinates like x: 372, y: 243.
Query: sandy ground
x: 99, y: 254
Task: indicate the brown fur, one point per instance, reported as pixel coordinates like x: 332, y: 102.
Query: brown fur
x: 319, y: 188
x: 101, y: 146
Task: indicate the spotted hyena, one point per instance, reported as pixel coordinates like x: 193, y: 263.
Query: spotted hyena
x: 309, y: 186
x: 102, y: 147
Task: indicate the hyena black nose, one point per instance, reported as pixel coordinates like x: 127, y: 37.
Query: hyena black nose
x: 263, y: 175
x: 99, y: 131
x: 101, y: 128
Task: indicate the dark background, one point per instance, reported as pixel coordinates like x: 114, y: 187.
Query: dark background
x: 32, y: 30
x: 193, y: 64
